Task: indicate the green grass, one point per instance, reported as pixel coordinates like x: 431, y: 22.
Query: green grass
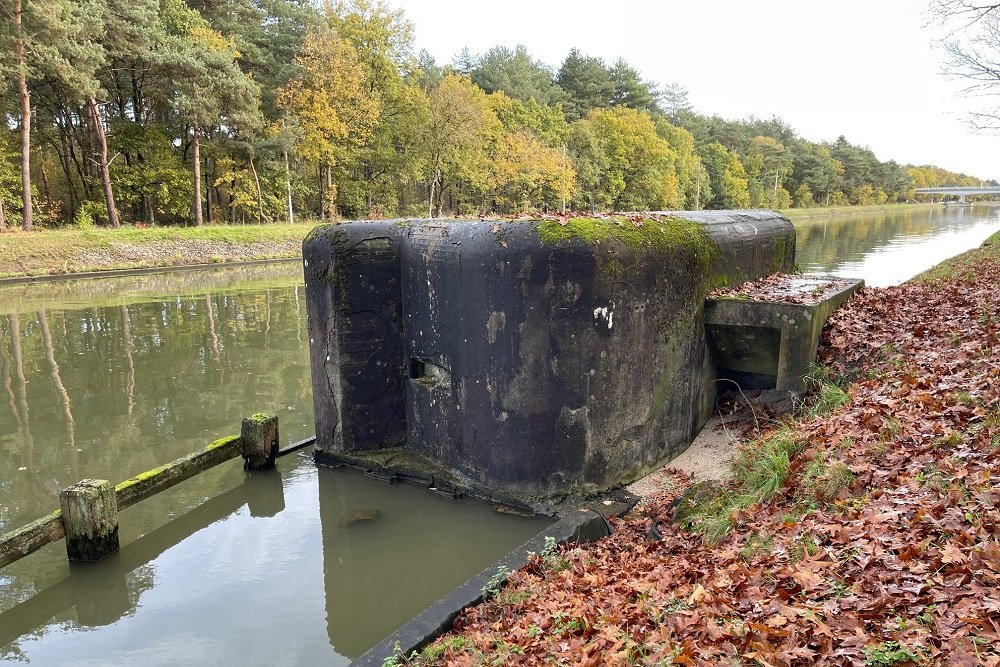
x: 759, y: 471
x: 796, y: 214
x: 962, y: 265
x: 762, y: 467
x: 888, y: 654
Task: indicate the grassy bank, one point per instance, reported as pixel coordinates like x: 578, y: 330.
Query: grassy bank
x: 796, y: 214
x: 862, y: 531
x: 68, y: 251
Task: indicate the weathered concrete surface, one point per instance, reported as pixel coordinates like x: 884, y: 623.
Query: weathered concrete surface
x: 528, y: 357
x: 769, y: 344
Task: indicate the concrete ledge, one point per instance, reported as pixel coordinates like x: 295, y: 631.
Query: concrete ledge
x: 581, y: 526
x: 772, y: 338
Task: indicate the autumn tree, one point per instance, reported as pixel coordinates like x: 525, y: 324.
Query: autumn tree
x: 622, y: 163
x: 332, y: 108
x: 382, y: 37
x: 452, y: 138
x: 210, y: 87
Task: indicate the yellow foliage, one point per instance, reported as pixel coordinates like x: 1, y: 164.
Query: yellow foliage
x: 528, y: 174
x: 328, y: 98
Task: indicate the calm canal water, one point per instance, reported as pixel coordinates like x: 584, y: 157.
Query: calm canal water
x: 108, y: 378
x: 887, y: 249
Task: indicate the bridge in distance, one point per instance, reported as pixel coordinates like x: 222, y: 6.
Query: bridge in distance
x: 960, y: 192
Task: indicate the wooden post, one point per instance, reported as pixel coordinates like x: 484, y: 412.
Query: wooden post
x: 90, y: 515
x: 259, y: 433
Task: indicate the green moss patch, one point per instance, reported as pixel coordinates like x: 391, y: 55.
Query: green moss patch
x: 664, y: 233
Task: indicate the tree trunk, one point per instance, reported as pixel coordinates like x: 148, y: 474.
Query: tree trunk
x: 46, y: 192
x: 3, y: 218
x: 322, y: 193
x: 196, y: 204
x: 102, y: 147
x: 288, y: 188
x: 329, y: 192
x: 260, y: 199
x: 209, y: 201
x: 22, y: 89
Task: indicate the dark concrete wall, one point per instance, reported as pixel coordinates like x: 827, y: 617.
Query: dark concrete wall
x: 530, y: 358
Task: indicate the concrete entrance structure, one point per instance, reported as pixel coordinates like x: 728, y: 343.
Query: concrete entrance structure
x: 525, y: 358
x: 771, y: 343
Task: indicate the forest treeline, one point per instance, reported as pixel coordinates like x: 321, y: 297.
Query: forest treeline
x: 209, y: 111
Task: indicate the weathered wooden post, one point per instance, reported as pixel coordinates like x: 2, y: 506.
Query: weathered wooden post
x: 259, y: 433
x: 90, y: 516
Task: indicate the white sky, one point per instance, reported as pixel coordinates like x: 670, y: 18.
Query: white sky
x: 866, y: 69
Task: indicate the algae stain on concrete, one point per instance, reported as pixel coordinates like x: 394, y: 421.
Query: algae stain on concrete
x: 494, y: 325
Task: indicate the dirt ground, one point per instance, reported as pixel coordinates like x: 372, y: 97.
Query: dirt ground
x: 707, y: 459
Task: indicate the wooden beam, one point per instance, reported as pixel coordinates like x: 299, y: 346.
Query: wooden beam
x: 151, y: 482
x: 19, y: 543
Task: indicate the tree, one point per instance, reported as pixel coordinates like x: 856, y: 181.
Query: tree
x: 587, y: 83
x: 972, y: 46
x: 714, y: 157
x: 814, y: 166
x: 527, y: 174
x: 382, y: 37
x: 9, y: 180
x: 772, y: 163
x: 516, y: 74
x: 622, y: 163
x: 452, y: 138
x: 209, y: 86
x: 674, y: 102
x: 546, y: 122
x: 692, y: 181
x: 330, y: 102
x: 50, y: 40
x: 735, y: 185
x: 630, y: 90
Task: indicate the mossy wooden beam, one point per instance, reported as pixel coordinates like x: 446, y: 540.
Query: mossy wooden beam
x: 151, y: 482
x: 258, y: 449
x: 19, y: 543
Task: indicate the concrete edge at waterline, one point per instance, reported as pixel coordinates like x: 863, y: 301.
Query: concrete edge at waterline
x: 580, y: 525
x: 138, y: 271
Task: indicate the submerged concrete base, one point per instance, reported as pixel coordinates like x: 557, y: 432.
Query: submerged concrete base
x: 770, y: 343
x: 583, y: 525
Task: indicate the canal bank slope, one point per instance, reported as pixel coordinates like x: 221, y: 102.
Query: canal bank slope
x: 74, y: 251
x: 863, y: 531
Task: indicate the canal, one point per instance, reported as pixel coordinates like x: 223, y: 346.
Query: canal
x: 889, y: 248
x: 107, y: 378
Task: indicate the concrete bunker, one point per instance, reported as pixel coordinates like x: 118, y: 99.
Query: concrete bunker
x: 525, y: 359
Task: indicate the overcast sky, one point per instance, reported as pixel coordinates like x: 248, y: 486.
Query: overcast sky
x: 864, y: 69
